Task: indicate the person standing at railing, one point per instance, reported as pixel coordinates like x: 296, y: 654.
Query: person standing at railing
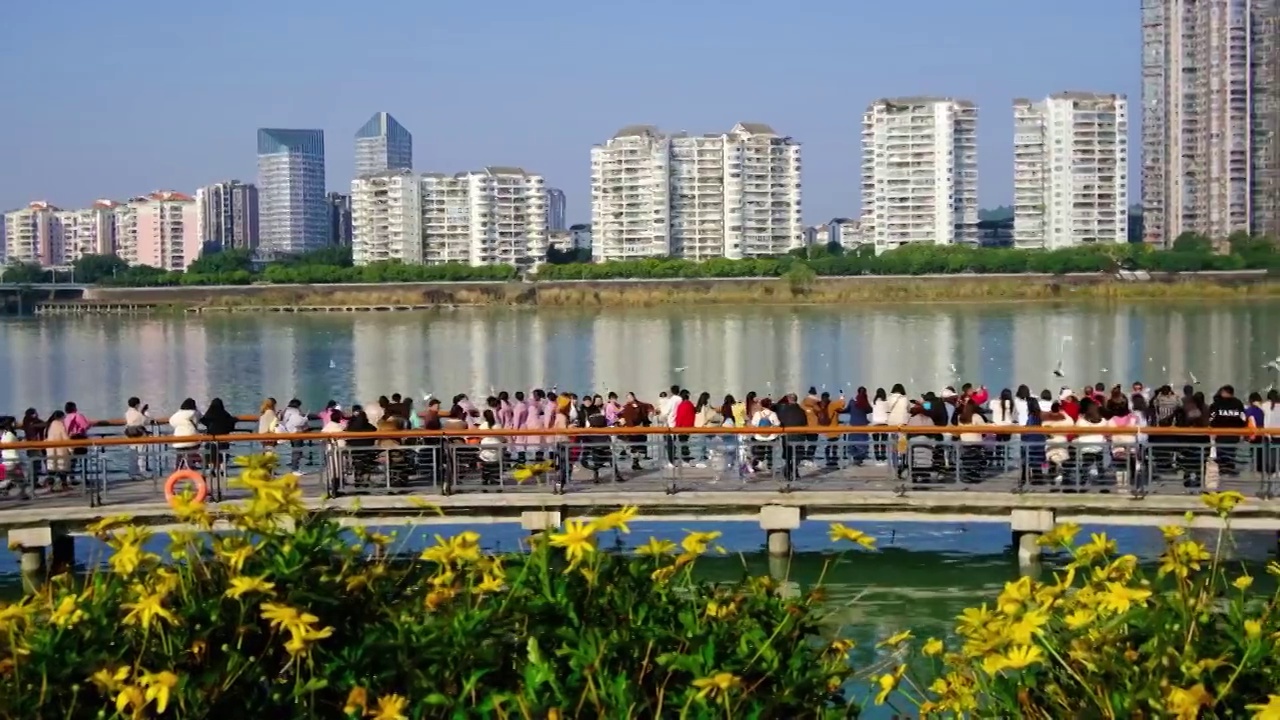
x: 33, y: 428
x: 58, y: 460
x: 897, y: 410
x: 185, y: 423
x: 1191, y: 455
x: 268, y: 423
x: 1033, y: 459
x: 136, y: 421
x: 683, y: 416
x: 1228, y: 413
x: 78, y: 429
x: 10, y: 458
x: 294, y: 421
x: 879, y: 418
x: 762, y: 448
x: 828, y: 415
x: 1089, y: 443
x: 1125, y: 448
x: 217, y: 421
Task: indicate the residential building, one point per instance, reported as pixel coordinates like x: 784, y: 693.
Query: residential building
x: 126, y: 228
x: 919, y: 172
x: 735, y: 194
x: 386, y: 218
x: 1209, y: 122
x: 34, y: 235
x: 581, y: 236
x: 292, y: 214
x: 556, y: 209
x: 89, y: 231
x: 561, y: 240
x: 817, y: 234
x: 383, y: 145
x: 227, y: 215
x: 493, y: 216
x: 845, y: 231
x: 1070, y: 170
x: 168, y: 232
x: 339, y: 219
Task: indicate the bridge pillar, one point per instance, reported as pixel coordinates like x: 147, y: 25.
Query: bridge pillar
x: 31, y: 544
x: 1028, y: 525
x: 536, y: 521
x: 778, y: 521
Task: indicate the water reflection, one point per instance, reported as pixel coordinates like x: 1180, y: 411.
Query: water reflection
x: 101, y: 361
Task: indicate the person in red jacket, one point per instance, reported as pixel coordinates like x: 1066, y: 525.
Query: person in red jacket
x: 1070, y: 405
x: 684, y: 417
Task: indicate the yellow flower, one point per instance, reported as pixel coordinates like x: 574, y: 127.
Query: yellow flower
x: 1021, y: 656
x: 1253, y: 629
x: 1186, y: 704
x: 299, y: 625
x: 840, y: 532
x: 1222, y: 502
x: 108, y: 681
x: 577, y: 540
x: 887, y: 683
x: 695, y: 543
x: 656, y: 548
x: 993, y: 663
x: 492, y: 583
x: 101, y: 526
x: 1270, y: 711
x: 1243, y: 582
x: 720, y: 683
x: 1020, y: 632
x: 720, y: 610
x: 663, y: 573
x: 186, y: 509
x: 617, y: 520
x: 896, y: 640
x: 1061, y: 535
x: 1080, y: 618
x: 1172, y: 532
x: 1183, y: 558
x: 973, y: 619
x: 67, y: 614
x: 357, y: 702
x: 1014, y: 595
x: 461, y: 548
x: 1273, y: 568
x: 131, y: 695
x: 241, y: 586
x: 158, y: 687
x: 128, y: 557
x: 1119, y: 598
x: 390, y: 707
x: 932, y: 647
x: 235, y: 554
x: 148, y: 608
x: 15, y: 614
x: 1099, y: 546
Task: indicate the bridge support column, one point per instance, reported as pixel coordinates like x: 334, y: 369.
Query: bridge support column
x: 1028, y: 525
x: 536, y: 521
x: 31, y: 544
x: 778, y: 521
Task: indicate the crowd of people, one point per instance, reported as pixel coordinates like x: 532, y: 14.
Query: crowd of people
x: 1070, y: 446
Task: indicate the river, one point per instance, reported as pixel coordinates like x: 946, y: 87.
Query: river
x: 924, y: 575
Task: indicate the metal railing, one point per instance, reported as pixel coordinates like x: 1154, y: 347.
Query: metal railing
x: 116, y: 470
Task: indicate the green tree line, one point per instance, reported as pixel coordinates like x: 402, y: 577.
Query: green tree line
x: 1190, y: 253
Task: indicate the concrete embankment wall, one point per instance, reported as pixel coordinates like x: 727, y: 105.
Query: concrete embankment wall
x: 863, y: 289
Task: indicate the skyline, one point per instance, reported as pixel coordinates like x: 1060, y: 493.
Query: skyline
x: 648, y: 71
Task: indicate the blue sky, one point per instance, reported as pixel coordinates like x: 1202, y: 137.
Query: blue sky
x: 117, y: 99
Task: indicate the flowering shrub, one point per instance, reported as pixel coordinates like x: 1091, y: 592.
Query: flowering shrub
x: 1104, y: 640
x: 289, y: 615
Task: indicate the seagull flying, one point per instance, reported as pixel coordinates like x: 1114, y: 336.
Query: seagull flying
x: 1274, y: 365
x: 1057, y: 371
x: 332, y: 364
x: 1062, y: 347
x: 1192, y: 375
x: 681, y: 369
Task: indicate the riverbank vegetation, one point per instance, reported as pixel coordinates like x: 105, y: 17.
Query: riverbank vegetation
x: 289, y: 615
x: 1190, y: 253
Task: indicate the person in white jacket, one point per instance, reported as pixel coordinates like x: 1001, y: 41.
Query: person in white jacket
x: 897, y: 412
x: 762, y: 447
x: 1090, y: 445
x: 136, y: 421
x: 1124, y: 448
x: 185, y: 424
x: 880, y: 416
x: 294, y: 421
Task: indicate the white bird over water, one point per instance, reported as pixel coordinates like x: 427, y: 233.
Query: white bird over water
x: 681, y: 369
x: 332, y: 364
x: 1274, y: 365
x: 1194, y: 380
x: 1062, y: 348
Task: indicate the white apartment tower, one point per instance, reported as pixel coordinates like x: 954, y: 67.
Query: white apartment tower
x: 493, y: 216
x: 919, y: 172
x: 386, y: 218
x: 1070, y: 170
x: 89, y: 231
x: 1210, y: 161
x: 735, y: 194
x: 33, y: 235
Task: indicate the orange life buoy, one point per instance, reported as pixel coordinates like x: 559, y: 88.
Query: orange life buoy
x: 195, y: 478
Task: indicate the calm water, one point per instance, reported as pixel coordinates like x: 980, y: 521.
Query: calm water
x: 101, y: 361
x: 926, y: 573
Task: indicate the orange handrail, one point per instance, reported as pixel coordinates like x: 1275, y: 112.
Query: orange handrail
x: 1048, y: 431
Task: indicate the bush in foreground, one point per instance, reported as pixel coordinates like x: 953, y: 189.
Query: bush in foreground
x: 1105, y: 640
x: 289, y: 615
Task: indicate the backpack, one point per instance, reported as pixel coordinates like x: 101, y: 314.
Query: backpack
x: 764, y: 421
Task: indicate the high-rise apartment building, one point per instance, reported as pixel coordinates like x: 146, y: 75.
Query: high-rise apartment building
x: 734, y: 195
x: 1209, y: 83
x: 382, y: 144
x: 227, y: 215
x: 1070, y: 170
x: 34, y: 235
x: 292, y: 214
x: 386, y: 217
x: 89, y: 231
x: 168, y: 232
x: 339, y: 219
x: 493, y: 216
x: 919, y: 172
x: 556, y: 210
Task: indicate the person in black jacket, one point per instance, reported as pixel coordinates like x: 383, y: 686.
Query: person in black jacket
x: 790, y: 415
x: 1227, y: 411
x: 217, y: 421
